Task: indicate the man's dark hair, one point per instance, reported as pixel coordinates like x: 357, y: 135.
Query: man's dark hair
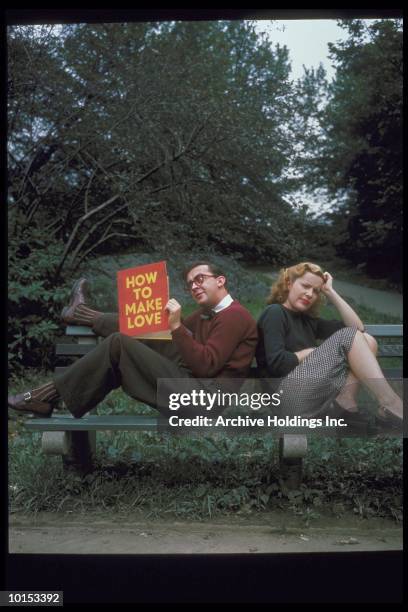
x: 213, y: 268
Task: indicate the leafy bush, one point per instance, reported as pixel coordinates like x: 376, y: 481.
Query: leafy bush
x: 35, y: 296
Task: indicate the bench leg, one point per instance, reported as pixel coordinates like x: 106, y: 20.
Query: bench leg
x: 82, y: 452
x: 55, y: 443
x: 77, y: 448
x: 292, y: 449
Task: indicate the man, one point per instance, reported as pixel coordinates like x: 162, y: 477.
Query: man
x: 216, y: 341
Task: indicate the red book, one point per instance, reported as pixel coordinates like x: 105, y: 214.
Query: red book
x: 143, y: 292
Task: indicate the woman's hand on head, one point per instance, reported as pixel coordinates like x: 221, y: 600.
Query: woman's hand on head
x: 328, y: 284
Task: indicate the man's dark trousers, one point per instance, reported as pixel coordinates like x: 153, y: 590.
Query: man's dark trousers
x: 119, y: 361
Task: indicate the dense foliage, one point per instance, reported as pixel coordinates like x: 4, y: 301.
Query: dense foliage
x: 35, y: 300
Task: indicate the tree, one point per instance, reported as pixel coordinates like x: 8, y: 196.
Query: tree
x: 357, y: 151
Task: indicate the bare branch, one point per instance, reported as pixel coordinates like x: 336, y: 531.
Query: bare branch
x: 196, y: 131
x: 103, y: 239
x: 33, y: 210
x: 87, y: 191
x: 157, y: 141
x: 80, y: 221
x: 93, y: 229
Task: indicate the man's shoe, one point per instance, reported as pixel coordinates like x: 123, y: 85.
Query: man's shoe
x: 79, y: 296
x: 24, y: 402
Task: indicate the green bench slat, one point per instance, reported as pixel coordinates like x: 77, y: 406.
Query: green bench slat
x: 60, y: 369
x: 390, y: 350
x: 79, y: 330
x: 385, y: 350
x: 377, y: 330
x: 93, y: 423
x: 384, y: 330
x: 73, y: 349
x: 393, y: 372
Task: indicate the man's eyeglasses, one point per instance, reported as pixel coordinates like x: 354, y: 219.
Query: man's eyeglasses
x: 198, y: 280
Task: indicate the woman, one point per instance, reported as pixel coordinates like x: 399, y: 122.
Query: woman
x: 313, y: 377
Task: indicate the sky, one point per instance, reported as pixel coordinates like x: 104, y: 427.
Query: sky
x: 306, y: 40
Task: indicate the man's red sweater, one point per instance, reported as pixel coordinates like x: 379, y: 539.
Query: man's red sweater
x: 220, y: 347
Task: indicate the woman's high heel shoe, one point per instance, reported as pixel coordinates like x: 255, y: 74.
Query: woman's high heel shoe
x: 389, y: 422
x: 392, y: 417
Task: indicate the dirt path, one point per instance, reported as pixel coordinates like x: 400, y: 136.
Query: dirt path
x: 267, y: 533
x: 387, y: 302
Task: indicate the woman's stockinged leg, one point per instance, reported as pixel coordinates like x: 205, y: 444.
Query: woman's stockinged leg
x: 347, y: 396
x: 366, y: 369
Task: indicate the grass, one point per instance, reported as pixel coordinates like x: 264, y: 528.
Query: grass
x: 353, y: 274
x: 159, y: 475
x: 196, y: 478
x: 102, y: 274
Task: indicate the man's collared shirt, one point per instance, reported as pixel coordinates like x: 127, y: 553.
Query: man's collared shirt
x: 225, y: 302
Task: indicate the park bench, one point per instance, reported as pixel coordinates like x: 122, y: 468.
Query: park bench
x: 75, y: 439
